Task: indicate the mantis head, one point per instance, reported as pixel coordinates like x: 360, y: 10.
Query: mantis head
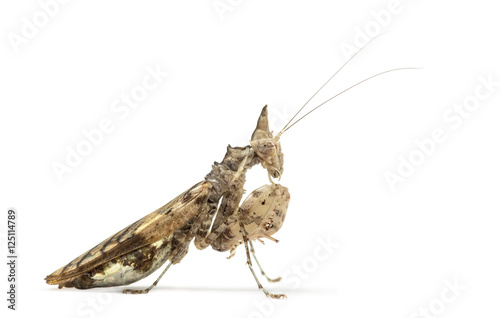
x: 266, y: 147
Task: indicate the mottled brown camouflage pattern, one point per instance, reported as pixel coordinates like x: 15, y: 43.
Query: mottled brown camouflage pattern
x: 165, y: 234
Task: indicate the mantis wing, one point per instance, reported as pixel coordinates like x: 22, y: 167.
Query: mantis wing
x: 145, y: 231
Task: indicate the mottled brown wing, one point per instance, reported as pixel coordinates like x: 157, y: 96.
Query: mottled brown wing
x: 147, y: 230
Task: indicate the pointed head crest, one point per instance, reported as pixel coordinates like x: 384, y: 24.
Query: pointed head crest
x: 267, y: 147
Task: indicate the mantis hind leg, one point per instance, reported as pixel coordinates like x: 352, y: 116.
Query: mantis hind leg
x: 179, y: 244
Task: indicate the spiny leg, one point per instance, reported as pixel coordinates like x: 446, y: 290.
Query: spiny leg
x: 178, y: 256
x: 145, y: 291
x: 205, y: 222
x: 226, y: 210
x: 271, y: 280
x: 249, y: 263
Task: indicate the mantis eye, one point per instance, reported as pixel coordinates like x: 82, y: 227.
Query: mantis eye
x: 266, y: 147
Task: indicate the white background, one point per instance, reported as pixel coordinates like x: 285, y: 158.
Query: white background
x: 398, y: 249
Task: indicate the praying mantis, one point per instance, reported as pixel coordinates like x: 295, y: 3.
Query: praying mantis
x: 208, y: 213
